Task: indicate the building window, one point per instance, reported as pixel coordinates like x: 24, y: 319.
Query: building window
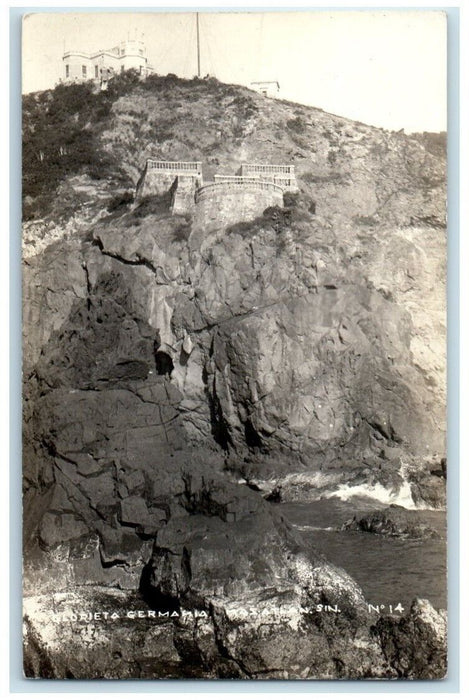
x: 83, y: 71
x: 67, y: 71
x: 96, y: 71
x: 122, y: 68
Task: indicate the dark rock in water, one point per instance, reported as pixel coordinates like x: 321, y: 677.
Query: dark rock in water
x: 275, y: 496
x: 415, y: 645
x: 430, y: 490
x: 394, y: 521
x: 440, y: 470
x: 428, y: 483
x: 257, y: 586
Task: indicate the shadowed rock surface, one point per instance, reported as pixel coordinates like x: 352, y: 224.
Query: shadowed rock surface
x: 393, y: 522
x: 415, y: 641
x: 168, y: 369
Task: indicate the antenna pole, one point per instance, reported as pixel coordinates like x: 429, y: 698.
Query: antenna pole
x: 198, y: 44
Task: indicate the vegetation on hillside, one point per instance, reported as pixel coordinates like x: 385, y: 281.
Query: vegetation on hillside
x: 84, y: 148
x: 434, y: 143
x: 58, y: 140
x: 62, y: 129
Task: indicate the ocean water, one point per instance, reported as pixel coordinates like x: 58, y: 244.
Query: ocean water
x: 390, y: 570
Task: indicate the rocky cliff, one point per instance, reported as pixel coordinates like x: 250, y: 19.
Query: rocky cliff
x: 174, y: 376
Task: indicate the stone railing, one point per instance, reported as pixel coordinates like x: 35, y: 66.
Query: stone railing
x: 285, y: 180
x: 238, y: 187
x: 249, y: 168
x: 237, y: 178
x: 174, y: 166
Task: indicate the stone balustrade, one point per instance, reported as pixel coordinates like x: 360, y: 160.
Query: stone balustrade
x: 159, y: 176
x: 282, y: 175
x: 229, y: 186
x: 237, y: 178
x: 250, y: 168
x: 175, y: 166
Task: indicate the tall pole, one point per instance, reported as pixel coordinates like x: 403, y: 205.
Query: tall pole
x: 198, y: 45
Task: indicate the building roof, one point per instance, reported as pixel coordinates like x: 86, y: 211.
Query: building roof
x: 83, y: 54
x: 266, y: 82
x: 125, y: 48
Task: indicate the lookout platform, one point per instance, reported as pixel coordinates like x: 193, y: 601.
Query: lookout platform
x: 227, y: 200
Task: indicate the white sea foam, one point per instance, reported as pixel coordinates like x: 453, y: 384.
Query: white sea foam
x: 378, y: 492
x: 316, y: 479
x: 309, y: 528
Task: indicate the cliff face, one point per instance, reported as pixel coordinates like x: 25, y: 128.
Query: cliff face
x: 167, y: 367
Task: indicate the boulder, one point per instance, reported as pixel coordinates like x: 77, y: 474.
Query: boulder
x: 394, y: 521
x: 415, y: 645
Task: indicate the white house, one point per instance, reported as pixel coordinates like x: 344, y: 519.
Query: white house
x: 268, y: 88
x: 101, y: 65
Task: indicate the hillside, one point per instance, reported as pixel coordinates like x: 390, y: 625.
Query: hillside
x: 174, y: 377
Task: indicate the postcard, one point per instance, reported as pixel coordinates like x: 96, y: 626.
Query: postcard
x: 234, y: 345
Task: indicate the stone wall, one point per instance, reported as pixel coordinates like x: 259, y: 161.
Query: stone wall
x: 183, y: 201
x: 221, y: 204
x: 159, y: 176
x: 154, y: 182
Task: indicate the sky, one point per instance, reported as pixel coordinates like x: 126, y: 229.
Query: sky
x: 385, y: 68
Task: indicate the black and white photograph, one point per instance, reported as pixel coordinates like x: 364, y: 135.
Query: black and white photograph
x: 234, y: 289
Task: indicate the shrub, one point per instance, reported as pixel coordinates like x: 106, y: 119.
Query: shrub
x: 311, y: 178
x: 308, y: 177
x: 278, y: 218
x: 435, y: 143
x: 291, y: 199
x: 182, y: 231
x: 120, y: 201
x: 122, y: 83
x: 297, y: 125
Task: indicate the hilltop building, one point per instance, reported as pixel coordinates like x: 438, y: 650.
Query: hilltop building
x: 101, y: 65
x: 268, y: 88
